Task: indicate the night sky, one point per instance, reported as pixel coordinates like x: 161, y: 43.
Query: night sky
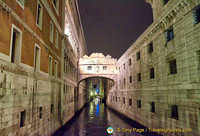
x: 111, y: 26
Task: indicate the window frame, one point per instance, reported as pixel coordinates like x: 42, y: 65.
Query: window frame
x: 40, y: 24
x: 50, y: 66
x: 56, y: 38
x: 22, y: 119
x: 171, y: 72
x: 89, y: 67
x: 168, y: 34
x: 152, y: 73
x: 18, y: 59
x: 55, y: 68
x: 138, y: 56
x: 37, y: 68
x: 174, y: 112
x: 51, y: 34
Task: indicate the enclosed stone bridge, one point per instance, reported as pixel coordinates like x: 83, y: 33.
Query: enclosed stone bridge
x: 97, y: 65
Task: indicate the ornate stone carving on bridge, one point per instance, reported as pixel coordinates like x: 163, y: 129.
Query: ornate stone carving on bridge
x: 97, y: 65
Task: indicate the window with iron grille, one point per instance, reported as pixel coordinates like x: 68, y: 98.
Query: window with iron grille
x: 40, y: 112
x: 104, y: 67
x: 172, y: 67
x: 152, y: 76
x: 139, y: 104
x: 150, y: 48
x: 51, y: 108
x: 196, y: 15
x: 22, y: 118
x: 138, y: 55
x: 130, y: 102
x: 123, y: 100
x: 130, y: 79
x: 89, y: 68
x: 130, y: 63
x: 152, y: 106
x: 174, y: 112
x: 169, y: 34
x: 138, y: 76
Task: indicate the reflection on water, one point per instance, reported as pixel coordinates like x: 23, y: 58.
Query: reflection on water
x: 94, y: 121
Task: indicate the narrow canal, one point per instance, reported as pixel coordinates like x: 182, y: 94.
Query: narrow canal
x: 94, y: 120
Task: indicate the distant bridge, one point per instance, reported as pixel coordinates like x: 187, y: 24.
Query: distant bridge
x: 97, y: 65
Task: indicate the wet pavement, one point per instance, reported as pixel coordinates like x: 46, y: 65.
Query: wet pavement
x: 94, y: 120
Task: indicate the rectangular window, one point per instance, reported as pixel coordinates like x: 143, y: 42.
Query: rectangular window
x: 130, y: 63
x: 51, y: 31
x: 124, y: 81
x: 56, y: 69
x: 50, y: 66
x: 124, y: 65
x: 16, y: 41
x: 116, y: 99
x: 40, y: 112
x: 138, y: 76
x: 104, y: 67
x: 196, y: 14
x: 130, y: 102
x: 56, y: 40
x: 165, y: 1
x: 138, y: 55
x: 89, y: 67
x: 22, y: 118
x: 172, y: 67
x: 123, y: 100
x: 150, y: 48
x: 152, y: 76
x: 113, y: 98
x: 169, y: 34
x: 21, y: 3
x: 37, y: 58
x: 130, y: 79
x: 39, y: 15
x: 174, y: 112
x: 152, y: 106
x: 51, y: 108
x: 139, y: 104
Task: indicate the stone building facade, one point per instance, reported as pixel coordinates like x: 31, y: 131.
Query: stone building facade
x: 159, y: 75
x: 32, y: 74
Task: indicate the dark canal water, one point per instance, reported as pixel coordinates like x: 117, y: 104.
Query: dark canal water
x: 94, y: 120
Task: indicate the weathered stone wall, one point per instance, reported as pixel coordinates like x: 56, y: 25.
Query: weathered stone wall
x: 20, y: 90
x: 181, y: 89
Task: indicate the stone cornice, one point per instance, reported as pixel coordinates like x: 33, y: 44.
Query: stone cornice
x: 158, y: 26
